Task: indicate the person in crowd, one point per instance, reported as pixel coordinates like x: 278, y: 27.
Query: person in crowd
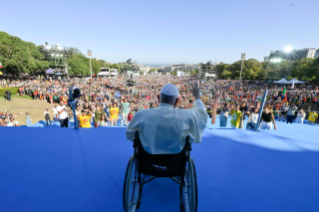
x: 312, y: 116
x: 47, y: 116
x: 98, y: 115
x: 301, y: 115
x: 224, y: 112
x: 130, y: 116
x: 55, y: 110
x: 28, y: 120
x: 104, y: 120
x: 291, y: 113
x: 63, y: 115
x: 51, y: 98
x: 283, y: 112
x: 21, y: 91
x: 84, y: 119
x: 252, y: 119
x: 2, y: 123
x: 267, y: 121
x: 236, y: 117
x: 12, y: 122
x: 125, y: 111
x: 8, y: 95
x: 71, y: 117
x: 56, y: 118
x: 78, y: 111
x: 114, y: 113
x: 244, y: 110
x: 35, y: 95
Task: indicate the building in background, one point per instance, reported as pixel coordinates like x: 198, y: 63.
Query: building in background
x: 145, y: 69
x: 294, y: 55
x: 180, y: 67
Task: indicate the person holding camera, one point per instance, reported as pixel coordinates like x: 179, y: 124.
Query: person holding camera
x: 84, y: 118
x: 63, y: 115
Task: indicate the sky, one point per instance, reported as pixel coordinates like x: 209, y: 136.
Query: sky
x: 153, y: 32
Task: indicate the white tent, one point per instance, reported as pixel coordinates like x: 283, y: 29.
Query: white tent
x: 282, y: 81
x: 295, y: 81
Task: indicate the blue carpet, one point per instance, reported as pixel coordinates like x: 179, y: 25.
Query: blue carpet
x: 54, y: 169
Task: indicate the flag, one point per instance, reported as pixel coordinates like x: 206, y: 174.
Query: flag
x: 293, y: 84
x: 1, y: 65
x: 117, y: 94
x: 285, y: 93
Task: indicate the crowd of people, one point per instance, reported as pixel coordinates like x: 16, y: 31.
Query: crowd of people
x: 110, y: 102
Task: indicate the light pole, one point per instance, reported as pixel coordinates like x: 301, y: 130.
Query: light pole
x: 90, y: 55
x: 243, y: 55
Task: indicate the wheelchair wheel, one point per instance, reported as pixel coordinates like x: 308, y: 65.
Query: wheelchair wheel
x: 190, y: 188
x: 131, y: 186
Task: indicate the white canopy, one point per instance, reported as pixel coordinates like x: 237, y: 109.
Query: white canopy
x: 282, y: 81
x: 295, y: 81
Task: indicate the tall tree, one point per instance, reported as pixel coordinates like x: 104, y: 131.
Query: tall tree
x: 18, y: 56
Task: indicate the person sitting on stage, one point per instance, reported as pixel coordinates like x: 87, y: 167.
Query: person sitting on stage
x: 163, y: 130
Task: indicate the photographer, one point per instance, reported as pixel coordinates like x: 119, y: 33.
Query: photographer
x: 84, y: 118
x: 63, y: 115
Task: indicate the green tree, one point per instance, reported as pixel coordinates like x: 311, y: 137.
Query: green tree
x: 174, y: 72
x: 18, y: 56
x: 152, y: 70
x: 79, y: 64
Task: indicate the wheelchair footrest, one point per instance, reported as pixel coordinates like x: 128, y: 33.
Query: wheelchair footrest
x: 138, y: 204
x: 181, y: 206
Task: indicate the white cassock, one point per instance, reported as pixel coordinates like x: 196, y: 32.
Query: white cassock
x: 163, y: 130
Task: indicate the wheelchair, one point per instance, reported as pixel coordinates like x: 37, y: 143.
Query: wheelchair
x: 179, y: 167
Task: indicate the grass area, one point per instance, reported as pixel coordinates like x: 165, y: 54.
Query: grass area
x: 25, y: 104
x: 22, y: 97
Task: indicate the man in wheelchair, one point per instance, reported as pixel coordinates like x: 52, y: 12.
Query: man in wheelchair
x: 162, y: 143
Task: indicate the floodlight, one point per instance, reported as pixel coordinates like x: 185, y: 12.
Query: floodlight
x: 288, y: 49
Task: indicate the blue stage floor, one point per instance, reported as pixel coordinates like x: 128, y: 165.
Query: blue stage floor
x: 54, y: 169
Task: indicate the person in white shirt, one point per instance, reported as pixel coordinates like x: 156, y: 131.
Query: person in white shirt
x: 55, y: 111
x: 163, y: 130
x: 300, y: 116
x: 252, y: 120
x: 13, y: 123
x: 63, y: 115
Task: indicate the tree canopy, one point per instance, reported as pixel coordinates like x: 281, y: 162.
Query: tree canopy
x: 18, y: 56
x: 304, y: 69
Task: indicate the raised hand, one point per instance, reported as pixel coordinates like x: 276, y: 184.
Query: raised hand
x: 195, y: 90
